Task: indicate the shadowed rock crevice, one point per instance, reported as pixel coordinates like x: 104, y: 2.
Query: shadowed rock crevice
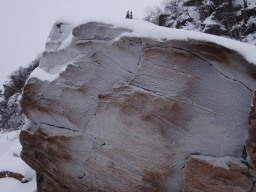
x: 57, y: 127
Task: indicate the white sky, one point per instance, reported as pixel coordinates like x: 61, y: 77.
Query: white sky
x: 25, y: 24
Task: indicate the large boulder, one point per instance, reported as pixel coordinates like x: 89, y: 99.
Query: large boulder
x: 115, y: 111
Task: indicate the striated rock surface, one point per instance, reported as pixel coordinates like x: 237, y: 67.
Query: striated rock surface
x: 111, y: 110
x: 216, y: 174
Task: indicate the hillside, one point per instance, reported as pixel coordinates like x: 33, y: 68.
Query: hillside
x: 235, y: 19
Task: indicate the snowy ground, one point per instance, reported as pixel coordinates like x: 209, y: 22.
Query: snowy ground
x: 10, y: 160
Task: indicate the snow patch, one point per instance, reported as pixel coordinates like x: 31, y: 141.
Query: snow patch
x: 13, y: 185
x: 148, y: 30
x: 222, y: 162
x: 10, y: 161
x: 209, y: 21
x: 42, y: 75
x: 66, y: 42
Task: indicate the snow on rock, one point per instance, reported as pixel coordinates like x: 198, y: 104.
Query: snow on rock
x: 42, y: 75
x: 222, y: 162
x: 60, y: 32
x: 124, y: 104
x: 10, y: 162
x: 136, y: 28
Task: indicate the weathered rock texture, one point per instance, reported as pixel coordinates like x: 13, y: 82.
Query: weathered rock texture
x: 126, y: 113
x: 251, y: 142
x: 216, y: 174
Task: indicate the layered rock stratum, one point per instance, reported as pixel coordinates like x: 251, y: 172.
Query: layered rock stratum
x: 115, y: 109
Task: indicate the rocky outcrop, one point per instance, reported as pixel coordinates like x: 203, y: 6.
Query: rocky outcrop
x: 122, y: 112
x: 251, y: 142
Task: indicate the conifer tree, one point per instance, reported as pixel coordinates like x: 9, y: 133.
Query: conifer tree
x: 131, y: 17
x: 127, y: 15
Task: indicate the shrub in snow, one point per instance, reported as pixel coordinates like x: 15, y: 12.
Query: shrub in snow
x: 11, y: 115
x: 18, y: 78
x: 153, y: 14
x: 232, y: 18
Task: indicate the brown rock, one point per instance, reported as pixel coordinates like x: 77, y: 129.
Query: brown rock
x: 42, y: 152
x: 124, y: 115
x: 201, y: 175
x: 251, y: 142
x: 17, y: 176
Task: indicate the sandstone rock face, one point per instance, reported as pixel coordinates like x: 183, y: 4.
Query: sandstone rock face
x: 124, y: 114
x: 251, y: 142
x: 216, y: 174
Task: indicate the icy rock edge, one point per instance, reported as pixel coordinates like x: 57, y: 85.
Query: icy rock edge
x: 119, y: 112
